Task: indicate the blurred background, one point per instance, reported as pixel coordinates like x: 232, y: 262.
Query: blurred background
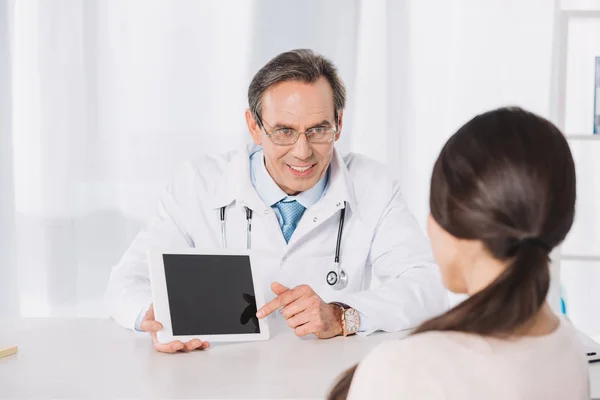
x: 102, y: 100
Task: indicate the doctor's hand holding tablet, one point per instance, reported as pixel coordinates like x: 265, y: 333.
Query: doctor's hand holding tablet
x: 287, y: 223
x: 150, y: 325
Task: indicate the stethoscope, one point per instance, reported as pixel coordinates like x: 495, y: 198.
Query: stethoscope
x: 336, y: 278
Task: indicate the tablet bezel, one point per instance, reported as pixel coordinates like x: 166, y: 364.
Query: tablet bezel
x: 160, y: 297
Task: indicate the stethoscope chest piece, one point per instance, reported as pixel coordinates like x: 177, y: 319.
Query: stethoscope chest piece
x: 337, y: 279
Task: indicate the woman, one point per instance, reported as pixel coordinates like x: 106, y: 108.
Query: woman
x: 502, y: 197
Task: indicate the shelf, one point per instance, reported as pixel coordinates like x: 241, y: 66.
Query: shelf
x: 581, y: 13
x: 580, y: 6
x: 582, y: 136
x: 572, y: 257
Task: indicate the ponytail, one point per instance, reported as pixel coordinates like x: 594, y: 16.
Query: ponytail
x: 508, y: 303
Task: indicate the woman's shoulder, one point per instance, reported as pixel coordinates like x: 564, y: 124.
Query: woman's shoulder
x: 403, y: 367
x: 437, y: 363
x: 439, y: 348
x: 424, y: 344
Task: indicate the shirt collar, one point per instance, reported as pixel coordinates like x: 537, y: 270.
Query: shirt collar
x: 235, y: 185
x: 271, y: 193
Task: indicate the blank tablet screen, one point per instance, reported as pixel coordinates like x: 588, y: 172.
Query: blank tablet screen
x: 210, y: 294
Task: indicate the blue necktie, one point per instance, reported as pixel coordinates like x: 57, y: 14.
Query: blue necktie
x: 291, y: 212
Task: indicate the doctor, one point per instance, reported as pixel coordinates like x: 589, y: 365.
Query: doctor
x: 307, y: 205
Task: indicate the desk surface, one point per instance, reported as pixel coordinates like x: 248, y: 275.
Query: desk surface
x: 84, y: 358
x: 94, y: 358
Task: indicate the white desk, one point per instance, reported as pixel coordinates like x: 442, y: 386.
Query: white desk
x: 94, y: 358
x: 85, y: 358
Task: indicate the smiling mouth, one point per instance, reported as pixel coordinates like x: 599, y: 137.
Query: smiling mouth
x: 301, y: 169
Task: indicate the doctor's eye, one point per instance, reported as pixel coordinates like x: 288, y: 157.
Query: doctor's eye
x: 320, y: 134
x: 318, y: 130
x: 284, y: 132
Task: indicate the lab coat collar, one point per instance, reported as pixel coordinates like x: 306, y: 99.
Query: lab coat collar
x: 340, y: 186
x: 236, y: 185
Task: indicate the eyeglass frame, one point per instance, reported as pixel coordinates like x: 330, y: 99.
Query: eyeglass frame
x: 298, y: 133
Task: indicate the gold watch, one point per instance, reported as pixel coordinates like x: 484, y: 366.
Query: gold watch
x: 350, y: 319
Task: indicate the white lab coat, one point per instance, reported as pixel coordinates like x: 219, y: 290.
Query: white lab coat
x: 392, y: 279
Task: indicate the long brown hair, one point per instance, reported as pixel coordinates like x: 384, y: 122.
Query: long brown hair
x: 506, y: 178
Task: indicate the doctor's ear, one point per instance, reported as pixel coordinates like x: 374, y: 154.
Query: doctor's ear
x: 253, y: 127
x: 340, y: 118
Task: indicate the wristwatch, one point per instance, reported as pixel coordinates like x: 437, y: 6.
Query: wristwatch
x: 350, y: 319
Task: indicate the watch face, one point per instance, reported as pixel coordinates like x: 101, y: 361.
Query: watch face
x: 352, y: 320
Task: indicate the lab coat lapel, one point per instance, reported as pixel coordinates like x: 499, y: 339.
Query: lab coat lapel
x: 235, y: 185
x: 338, y: 194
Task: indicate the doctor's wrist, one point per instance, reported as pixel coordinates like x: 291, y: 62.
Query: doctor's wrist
x: 337, y: 319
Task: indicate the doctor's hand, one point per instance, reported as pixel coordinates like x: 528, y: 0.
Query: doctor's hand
x: 149, y: 324
x: 304, y: 311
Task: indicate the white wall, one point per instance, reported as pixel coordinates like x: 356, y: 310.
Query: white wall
x: 8, y: 291
x: 450, y: 61
x: 466, y: 61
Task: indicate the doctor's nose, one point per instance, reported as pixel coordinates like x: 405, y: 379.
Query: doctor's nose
x: 302, y: 148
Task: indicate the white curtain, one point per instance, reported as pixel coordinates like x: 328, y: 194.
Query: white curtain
x: 102, y: 100
x: 8, y: 267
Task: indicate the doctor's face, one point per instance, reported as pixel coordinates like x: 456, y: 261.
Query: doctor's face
x: 299, y: 106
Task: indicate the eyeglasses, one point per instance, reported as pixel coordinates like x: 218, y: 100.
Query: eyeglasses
x: 289, y: 136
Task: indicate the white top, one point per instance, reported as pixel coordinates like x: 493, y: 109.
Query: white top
x: 453, y: 366
x: 392, y: 277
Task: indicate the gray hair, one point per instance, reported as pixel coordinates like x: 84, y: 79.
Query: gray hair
x: 302, y: 65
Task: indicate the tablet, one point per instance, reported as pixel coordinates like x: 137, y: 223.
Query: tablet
x: 208, y: 295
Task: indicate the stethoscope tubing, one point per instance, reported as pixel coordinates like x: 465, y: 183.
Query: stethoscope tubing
x: 339, y: 282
